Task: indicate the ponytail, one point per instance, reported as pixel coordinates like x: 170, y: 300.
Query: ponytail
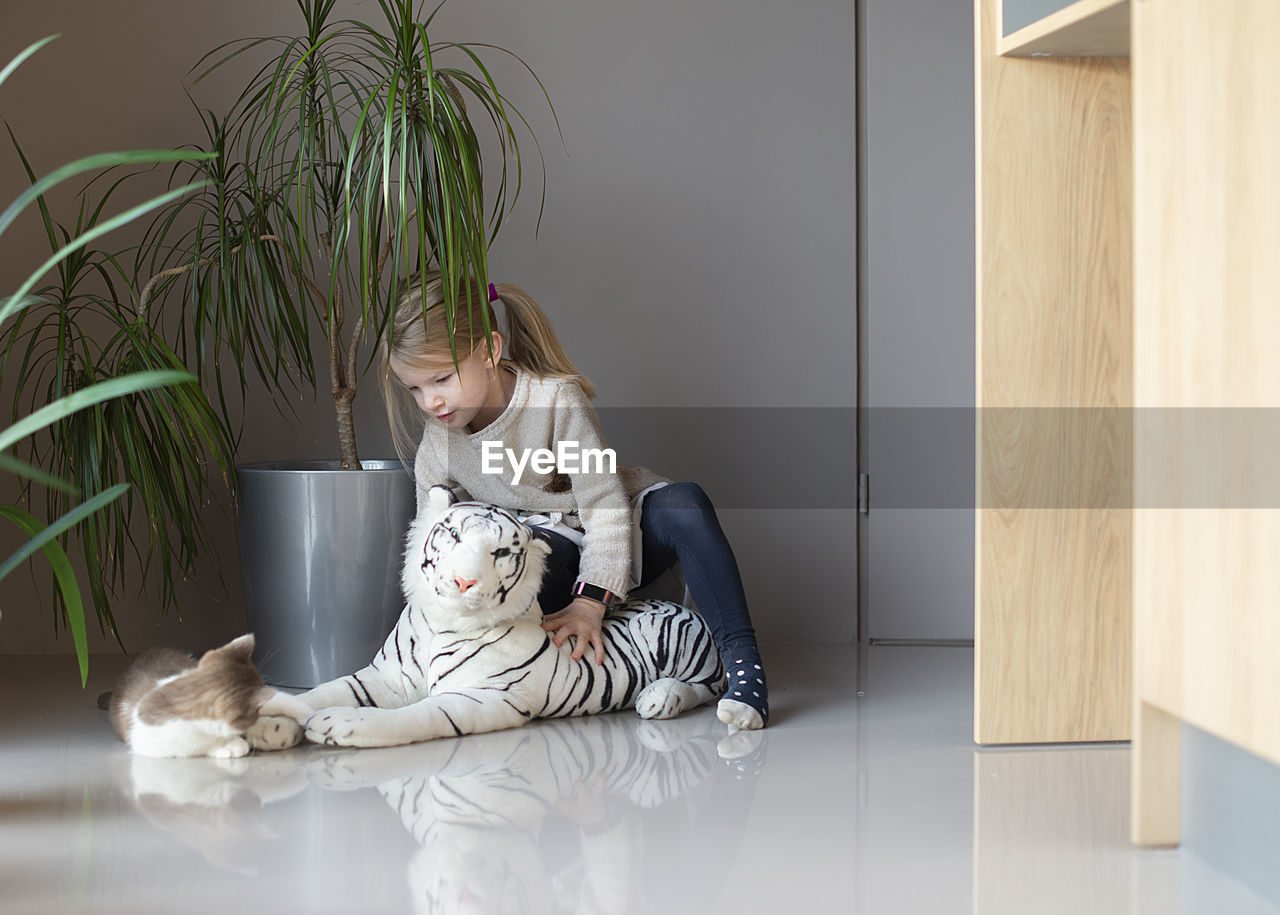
x: 532, y: 344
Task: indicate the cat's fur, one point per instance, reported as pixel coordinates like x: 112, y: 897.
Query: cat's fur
x: 169, y: 704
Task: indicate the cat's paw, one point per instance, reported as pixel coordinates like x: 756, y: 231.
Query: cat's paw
x: 270, y: 732
x: 739, y: 715
x: 231, y: 749
x: 665, y: 698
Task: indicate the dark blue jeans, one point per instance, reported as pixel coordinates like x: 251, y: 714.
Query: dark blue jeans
x: 678, y: 523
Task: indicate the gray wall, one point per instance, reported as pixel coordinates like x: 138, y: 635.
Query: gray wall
x: 697, y: 249
x: 918, y: 334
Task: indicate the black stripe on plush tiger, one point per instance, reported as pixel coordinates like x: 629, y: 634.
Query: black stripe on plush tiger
x: 469, y: 653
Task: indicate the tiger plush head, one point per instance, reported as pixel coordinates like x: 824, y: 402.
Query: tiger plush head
x: 469, y: 565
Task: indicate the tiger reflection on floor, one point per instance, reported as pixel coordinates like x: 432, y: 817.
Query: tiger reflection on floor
x: 558, y: 816
x: 586, y: 815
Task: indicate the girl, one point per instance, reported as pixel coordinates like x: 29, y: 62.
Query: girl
x: 610, y: 529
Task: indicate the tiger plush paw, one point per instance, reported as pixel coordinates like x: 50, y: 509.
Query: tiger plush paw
x: 359, y: 727
x: 667, y: 698
x: 270, y: 732
x: 336, y: 727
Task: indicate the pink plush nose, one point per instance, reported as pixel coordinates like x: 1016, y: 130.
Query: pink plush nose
x: 464, y: 584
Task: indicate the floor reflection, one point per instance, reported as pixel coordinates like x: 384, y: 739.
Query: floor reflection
x: 874, y: 801
x: 1051, y: 830
x: 215, y: 806
x: 560, y: 816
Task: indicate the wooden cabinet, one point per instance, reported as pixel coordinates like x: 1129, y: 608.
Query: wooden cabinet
x: 1128, y: 224
x: 1206, y: 387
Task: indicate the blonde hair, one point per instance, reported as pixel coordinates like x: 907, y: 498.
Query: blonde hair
x: 420, y: 332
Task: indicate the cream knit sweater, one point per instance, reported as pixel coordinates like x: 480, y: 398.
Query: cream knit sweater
x: 542, y: 413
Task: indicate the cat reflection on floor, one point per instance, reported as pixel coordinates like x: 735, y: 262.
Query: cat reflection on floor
x: 215, y: 805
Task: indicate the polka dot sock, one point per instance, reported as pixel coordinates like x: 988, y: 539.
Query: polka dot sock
x: 746, y: 684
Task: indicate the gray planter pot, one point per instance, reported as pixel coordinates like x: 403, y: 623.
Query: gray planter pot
x: 320, y: 551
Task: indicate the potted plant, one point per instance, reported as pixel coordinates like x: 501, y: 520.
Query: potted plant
x: 349, y: 163
x: 93, y: 424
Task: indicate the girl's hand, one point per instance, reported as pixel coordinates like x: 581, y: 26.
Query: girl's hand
x: 581, y: 620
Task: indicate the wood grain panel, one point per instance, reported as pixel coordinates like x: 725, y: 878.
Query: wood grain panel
x: 1054, y: 291
x: 1207, y: 322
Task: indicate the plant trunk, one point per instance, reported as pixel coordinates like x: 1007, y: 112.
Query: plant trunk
x: 342, y: 398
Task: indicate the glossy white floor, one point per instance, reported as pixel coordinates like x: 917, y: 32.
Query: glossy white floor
x: 862, y: 797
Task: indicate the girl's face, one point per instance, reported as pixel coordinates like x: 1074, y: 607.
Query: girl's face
x: 455, y: 397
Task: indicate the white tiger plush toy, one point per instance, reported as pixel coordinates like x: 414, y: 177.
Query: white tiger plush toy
x: 469, y: 653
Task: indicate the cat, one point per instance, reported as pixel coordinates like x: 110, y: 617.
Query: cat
x: 168, y: 704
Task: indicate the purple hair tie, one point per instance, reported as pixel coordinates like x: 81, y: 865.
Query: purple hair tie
x: 493, y: 293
